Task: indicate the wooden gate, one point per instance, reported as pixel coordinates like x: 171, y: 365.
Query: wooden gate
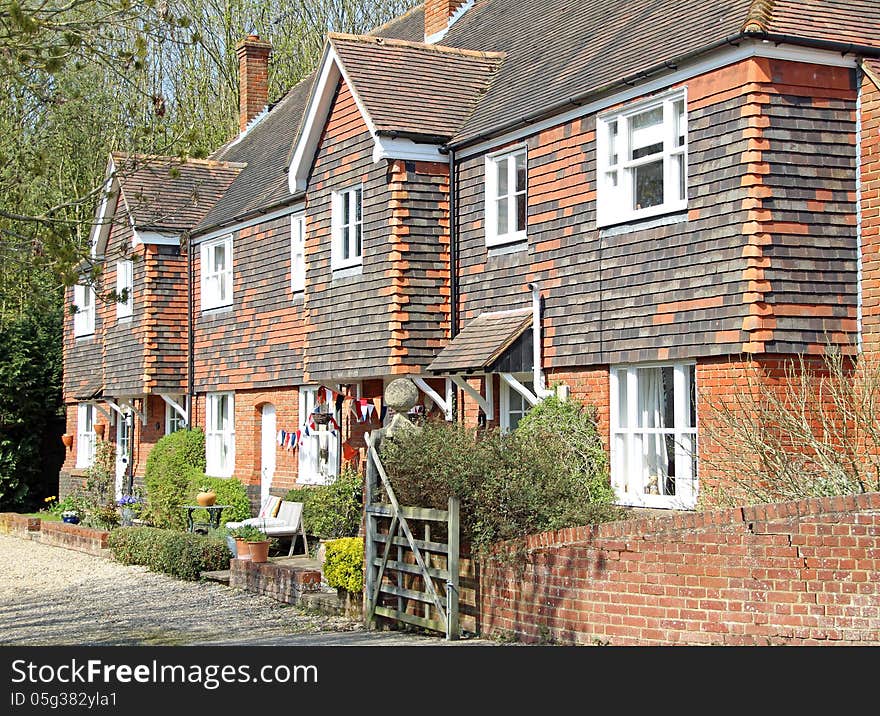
x: 409, y: 580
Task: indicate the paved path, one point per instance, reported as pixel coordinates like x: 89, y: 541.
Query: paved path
x: 55, y: 596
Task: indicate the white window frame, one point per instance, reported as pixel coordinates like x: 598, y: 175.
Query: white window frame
x: 345, y: 235
x: 614, y: 202
x: 624, y: 438
x: 84, y: 318
x: 219, y: 437
x: 85, y: 435
x: 174, y: 421
x: 510, y: 396
x: 298, y: 253
x: 216, y: 282
x: 493, y: 238
x: 124, y: 282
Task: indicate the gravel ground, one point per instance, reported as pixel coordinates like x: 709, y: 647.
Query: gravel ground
x: 55, y: 596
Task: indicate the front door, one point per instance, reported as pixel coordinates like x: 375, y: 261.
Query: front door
x: 267, y: 462
x: 123, y: 448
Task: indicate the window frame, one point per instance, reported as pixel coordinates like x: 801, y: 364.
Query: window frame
x: 685, y: 438
x: 339, y: 201
x: 298, y: 253
x: 85, y: 438
x: 213, y: 282
x: 172, y: 417
x: 507, y: 393
x: 218, y: 437
x: 308, y: 396
x: 83, y: 319
x: 508, y: 155
x: 613, y: 203
x: 125, y: 280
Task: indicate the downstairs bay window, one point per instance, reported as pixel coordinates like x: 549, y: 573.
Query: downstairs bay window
x: 219, y: 434
x: 654, y: 435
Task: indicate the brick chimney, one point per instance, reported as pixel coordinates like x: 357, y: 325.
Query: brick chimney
x: 253, y: 78
x: 438, y: 14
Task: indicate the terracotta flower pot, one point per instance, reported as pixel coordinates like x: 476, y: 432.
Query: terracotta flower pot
x: 67, y: 439
x: 259, y: 551
x: 242, y: 549
x: 206, y: 499
x: 99, y: 430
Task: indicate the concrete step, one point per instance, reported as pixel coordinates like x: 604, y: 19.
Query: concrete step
x: 221, y: 576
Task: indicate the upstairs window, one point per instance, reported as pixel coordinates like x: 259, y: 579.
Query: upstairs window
x: 219, y: 435
x: 347, y: 228
x: 642, y: 160
x: 84, y: 318
x: 124, y: 287
x: 654, y: 435
x: 85, y: 435
x: 217, y: 273
x: 506, y: 197
x: 298, y: 253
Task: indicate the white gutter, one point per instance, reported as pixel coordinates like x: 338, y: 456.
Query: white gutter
x: 541, y: 391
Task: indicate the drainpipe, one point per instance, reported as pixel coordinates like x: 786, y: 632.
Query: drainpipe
x: 541, y: 391
x: 453, y: 268
x: 190, y: 367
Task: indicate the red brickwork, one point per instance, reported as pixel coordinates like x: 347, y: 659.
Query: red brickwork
x: 253, y: 78
x: 81, y: 539
x: 870, y: 157
x: 18, y: 525
x: 799, y: 573
x: 279, y: 581
x: 437, y: 14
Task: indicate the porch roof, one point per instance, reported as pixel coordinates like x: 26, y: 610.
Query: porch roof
x: 91, y: 391
x: 482, y: 342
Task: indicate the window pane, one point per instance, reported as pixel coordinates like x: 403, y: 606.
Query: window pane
x: 501, y: 168
x: 691, y: 418
x: 646, y: 133
x: 651, y: 398
x: 502, y: 215
x: 680, y: 125
x: 680, y: 173
x: 648, y: 185
x: 521, y: 172
x: 357, y: 241
x: 611, y: 179
x: 621, y: 460
x: 346, y: 232
x: 612, y: 143
x: 219, y: 257
x: 358, y: 204
x: 520, y: 212
x: 346, y: 209
x: 622, y: 407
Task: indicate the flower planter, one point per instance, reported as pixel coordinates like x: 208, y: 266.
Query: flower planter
x: 67, y: 439
x: 242, y: 549
x: 206, y: 499
x: 70, y: 519
x: 259, y: 551
x: 99, y: 430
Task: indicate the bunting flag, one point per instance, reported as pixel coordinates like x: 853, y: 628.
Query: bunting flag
x: 363, y: 403
x: 348, y: 452
x: 299, y: 436
x: 377, y: 404
x: 334, y: 423
x: 383, y: 413
x: 280, y: 437
x: 305, y: 431
x: 340, y: 399
x: 354, y: 410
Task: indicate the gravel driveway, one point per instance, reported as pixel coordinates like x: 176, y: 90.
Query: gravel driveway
x: 55, y: 596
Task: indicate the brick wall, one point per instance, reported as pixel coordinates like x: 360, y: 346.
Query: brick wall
x: 870, y: 156
x: 799, y: 573
x: 81, y: 539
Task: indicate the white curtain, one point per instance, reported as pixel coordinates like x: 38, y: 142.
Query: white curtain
x: 652, y: 408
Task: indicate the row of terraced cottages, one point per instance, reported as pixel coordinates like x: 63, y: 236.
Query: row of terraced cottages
x: 502, y: 200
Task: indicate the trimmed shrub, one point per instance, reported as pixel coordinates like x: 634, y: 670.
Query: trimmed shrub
x: 332, y: 511
x: 180, y: 554
x: 229, y: 491
x: 175, y: 461
x: 344, y: 564
x: 550, y: 473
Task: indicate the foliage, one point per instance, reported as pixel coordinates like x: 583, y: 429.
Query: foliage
x: 30, y: 397
x: 344, y: 564
x: 332, y: 511
x: 550, y: 473
x: 174, y: 463
x: 249, y: 533
x: 181, y: 554
x: 229, y: 491
x: 806, y: 429
x: 95, y: 503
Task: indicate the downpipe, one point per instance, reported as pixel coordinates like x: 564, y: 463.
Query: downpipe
x: 541, y: 391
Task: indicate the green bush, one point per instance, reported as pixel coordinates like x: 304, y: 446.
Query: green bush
x: 180, y: 554
x: 551, y: 472
x: 229, y: 491
x: 332, y: 511
x: 173, y: 464
x: 344, y: 564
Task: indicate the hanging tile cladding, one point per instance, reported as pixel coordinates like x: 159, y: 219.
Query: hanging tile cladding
x: 165, y: 355
x: 389, y: 318
x: 258, y: 343
x: 809, y: 213
x: 650, y: 292
x: 123, y: 344
x: 82, y: 356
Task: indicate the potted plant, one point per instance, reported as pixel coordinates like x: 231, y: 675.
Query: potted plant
x: 245, y: 536
x: 99, y: 430
x: 67, y: 439
x: 128, y: 507
x: 70, y: 517
x: 206, y: 496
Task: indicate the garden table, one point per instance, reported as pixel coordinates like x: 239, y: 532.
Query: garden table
x: 214, y: 513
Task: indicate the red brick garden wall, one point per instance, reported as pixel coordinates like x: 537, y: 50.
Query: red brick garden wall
x: 799, y: 573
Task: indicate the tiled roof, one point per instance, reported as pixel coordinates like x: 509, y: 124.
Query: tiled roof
x: 412, y: 88
x: 853, y: 21
x: 168, y: 194
x: 482, y: 341
x: 263, y: 183
x: 873, y: 68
